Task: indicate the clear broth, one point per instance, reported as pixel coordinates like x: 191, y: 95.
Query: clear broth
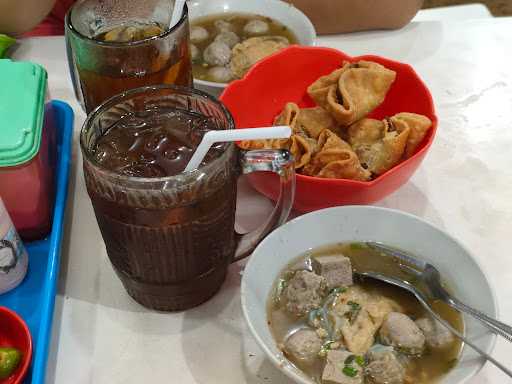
x: 428, y: 368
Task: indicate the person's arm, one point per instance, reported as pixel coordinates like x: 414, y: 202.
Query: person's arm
x: 19, y: 16
x: 339, y: 16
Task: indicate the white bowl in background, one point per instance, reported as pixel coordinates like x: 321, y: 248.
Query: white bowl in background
x: 365, y: 223
x: 278, y: 10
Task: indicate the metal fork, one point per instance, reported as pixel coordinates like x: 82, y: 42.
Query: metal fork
x: 430, y: 276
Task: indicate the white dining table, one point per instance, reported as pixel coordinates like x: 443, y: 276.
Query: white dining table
x: 464, y: 186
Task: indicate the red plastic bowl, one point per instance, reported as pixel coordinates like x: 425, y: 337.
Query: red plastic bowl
x: 14, y: 333
x: 283, y: 77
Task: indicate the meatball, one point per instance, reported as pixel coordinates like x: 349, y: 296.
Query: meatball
x: 229, y: 38
x: 195, y: 54
x: 223, y: 26
x: 384, y: 368
x: 436, y: 334
x: 303, y: 346
x: 399, y: 331
x: 304, y: 292
x: 256, y: 27
x: 220, y: 74
x: 198, y: 34
x: 217, y: 53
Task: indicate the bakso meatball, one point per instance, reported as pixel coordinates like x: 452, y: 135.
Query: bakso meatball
x: 384, y: 368
x: 304, y: 292
x: 399, y: 331
x: 195, y: 54
x: 436, y: 334
x: 198, y: 34
x: 220, y: 74
x: 217, y: 53
x: 303, y: 346
x: 229, y: 38
x: 223, y: 26
x: 256, y: 27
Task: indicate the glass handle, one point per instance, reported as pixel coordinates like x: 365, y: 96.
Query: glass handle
x: 278, y: 161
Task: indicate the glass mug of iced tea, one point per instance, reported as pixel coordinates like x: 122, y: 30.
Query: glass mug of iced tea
x: 170, y: 234
x: 116, y: 45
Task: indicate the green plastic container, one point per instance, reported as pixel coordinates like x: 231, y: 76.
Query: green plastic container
x: 27, y: 147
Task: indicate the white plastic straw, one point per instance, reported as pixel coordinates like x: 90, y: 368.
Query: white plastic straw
x: 211, y: 137
x: 176, y: 12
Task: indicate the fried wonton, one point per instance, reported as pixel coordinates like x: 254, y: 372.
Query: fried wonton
x: 300, y: 145
x: 379, y: 144
x: 264, y: 144
x: 306, y: 125
x: 328, y: 140
x: 288, y: 116
x: 353, y: 91
x: 418, y: 124
x: 306, y: 121
x: 336, y: 164
x: 302, y: 148
x: 245, y: 54
x: 335, y: 159
x: 313, y: 121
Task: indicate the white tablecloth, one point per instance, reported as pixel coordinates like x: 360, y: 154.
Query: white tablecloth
x: 464, y: 186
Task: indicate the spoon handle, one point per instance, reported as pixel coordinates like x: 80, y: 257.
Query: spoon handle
x: 460, y: 336
x: 494, y: 325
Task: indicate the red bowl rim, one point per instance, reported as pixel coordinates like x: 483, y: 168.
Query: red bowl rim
x: 27, y: 355
x: 362, y: 184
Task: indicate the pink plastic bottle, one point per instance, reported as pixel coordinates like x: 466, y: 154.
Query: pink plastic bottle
x: 27, y: 148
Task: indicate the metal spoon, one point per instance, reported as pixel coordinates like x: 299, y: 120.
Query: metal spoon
x: 430, y: 277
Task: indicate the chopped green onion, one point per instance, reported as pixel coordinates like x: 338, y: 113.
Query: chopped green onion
x: 355, y: 308
x: 337, y: 290
x: 350, y: 359
x: 325, y: 348
x: 360, y: 360
x: 349, y: 371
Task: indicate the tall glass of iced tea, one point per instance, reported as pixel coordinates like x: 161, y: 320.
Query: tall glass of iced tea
x: 116, y: 45
x: 168, y: 233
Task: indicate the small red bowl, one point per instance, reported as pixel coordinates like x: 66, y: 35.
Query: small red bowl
x: 15, y: 333
x: 284, y: 77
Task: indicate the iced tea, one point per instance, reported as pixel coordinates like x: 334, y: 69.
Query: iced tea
x: 121, y: 49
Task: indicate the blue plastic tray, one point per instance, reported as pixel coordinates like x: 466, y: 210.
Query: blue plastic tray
x: 34, y: 298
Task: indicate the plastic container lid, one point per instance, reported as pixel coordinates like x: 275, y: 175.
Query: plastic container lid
x: 22, y: 98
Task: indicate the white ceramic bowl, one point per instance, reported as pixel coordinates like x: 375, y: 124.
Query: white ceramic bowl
x: 364, y: 223
x: 278, y: 10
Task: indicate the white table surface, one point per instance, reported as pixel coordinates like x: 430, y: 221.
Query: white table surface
x: 454, y: 12
x: 464, y: 186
